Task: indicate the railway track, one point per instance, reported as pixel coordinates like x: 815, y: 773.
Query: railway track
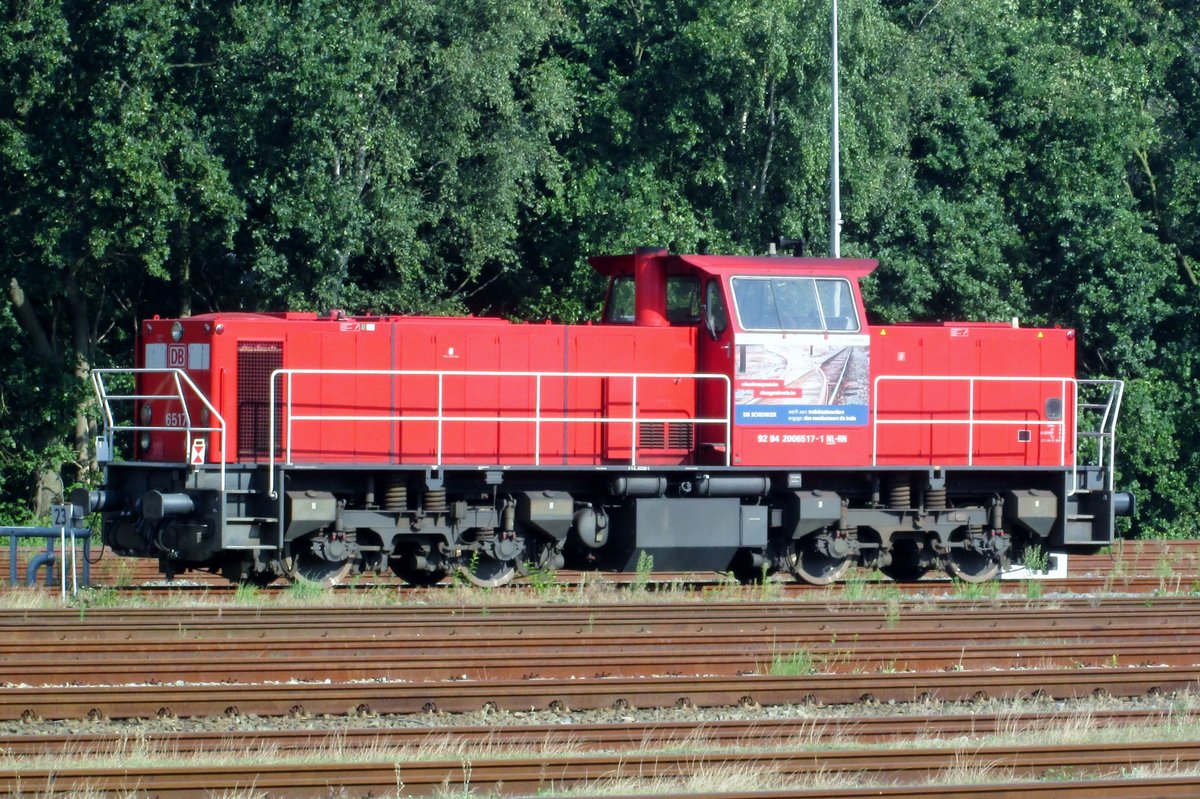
x: 528, y: 775
x: 669, y: 658
x: 624, y: 642
x: 609, y: 736
x: 555, y: 694
x: 283, y: 661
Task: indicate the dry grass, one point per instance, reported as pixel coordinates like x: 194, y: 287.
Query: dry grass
x: 711, y: 779
x: 1081, y: 727
x: 967, y: 759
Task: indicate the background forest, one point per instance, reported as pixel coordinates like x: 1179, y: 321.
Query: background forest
x: 1031, y: 158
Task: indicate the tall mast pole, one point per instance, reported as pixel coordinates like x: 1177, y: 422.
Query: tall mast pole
x: 835, y: 198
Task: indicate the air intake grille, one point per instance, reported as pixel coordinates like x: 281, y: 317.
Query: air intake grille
x: 672, y: 436
x: 256, y: 361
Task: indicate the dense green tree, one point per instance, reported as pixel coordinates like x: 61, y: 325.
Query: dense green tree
x: 107, y: 175
x: 384, y: 154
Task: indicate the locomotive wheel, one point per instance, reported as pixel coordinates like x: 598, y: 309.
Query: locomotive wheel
x: 487, y: 572
x: 970, y: 565
x: 301, y: 569
x: 302, y: 565
x: 810, y: 565
x: 540, y: 556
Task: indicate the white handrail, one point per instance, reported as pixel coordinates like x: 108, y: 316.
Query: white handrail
x: 183, y: 385
x: 1106, y: 428
x: 440, y: 418
x: 970, y: 381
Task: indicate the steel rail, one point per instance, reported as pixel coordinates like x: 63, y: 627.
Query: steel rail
x: 826, y: 613
x: 1121, y: 788
x: 901, y: 636
x: 394, y: 696
x: 529, y: 774
x: 633, y: 659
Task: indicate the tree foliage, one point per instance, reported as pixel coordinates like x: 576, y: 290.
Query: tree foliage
x: 1031, y: 158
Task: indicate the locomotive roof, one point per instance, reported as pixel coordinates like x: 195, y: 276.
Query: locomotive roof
x: 614, y: 265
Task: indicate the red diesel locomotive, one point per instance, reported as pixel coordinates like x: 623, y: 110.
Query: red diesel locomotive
x: 726, y: 414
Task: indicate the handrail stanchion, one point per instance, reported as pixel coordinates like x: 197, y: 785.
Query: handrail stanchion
x: 1062, y: 426
x: 633, y: 424
x: 440, y: 421
x: 537, y: 426
x: 1075, y: 450
x: 728, y: 419
x: 290, y: 394
x: 971, y: 419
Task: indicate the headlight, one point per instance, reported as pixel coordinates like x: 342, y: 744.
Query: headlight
x: 176, y: 331
x: 144, y: 440
x: 147, y: 414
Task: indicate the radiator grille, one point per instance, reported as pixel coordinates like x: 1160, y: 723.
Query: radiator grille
x: 670, y: 436
x: 256, y: 361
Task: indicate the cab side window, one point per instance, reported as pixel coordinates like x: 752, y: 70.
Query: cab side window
x: 683, y: 300
x: 716, y: 318
x: 620, y: 301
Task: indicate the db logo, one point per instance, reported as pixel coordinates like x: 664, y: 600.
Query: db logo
x: 177, y: 356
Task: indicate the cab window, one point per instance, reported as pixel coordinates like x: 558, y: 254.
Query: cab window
x: 794, y: 304
x: 837, y: 305
x: 620, y: 301
x: 683, y: 300
x: 716, y: 318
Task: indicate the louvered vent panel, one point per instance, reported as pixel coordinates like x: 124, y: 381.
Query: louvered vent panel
x: 656, y: 435
x: 256, y: 361
x: 679, y: 436
x: 651, y: 435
